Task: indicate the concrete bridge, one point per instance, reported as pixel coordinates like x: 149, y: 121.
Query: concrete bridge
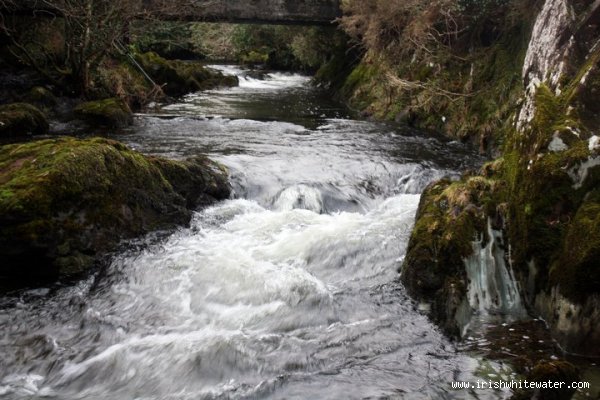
x: 297, y: 12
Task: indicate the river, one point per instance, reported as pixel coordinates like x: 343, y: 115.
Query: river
x: 289, y: 290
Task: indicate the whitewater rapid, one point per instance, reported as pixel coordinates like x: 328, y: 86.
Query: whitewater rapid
x: 289, y: 290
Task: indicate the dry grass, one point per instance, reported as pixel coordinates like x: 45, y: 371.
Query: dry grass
x: 420, y: 28
x: 403, y: 27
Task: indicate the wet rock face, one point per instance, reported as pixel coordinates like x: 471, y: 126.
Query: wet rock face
x: 556, y: 173
x: 179, y: 77
x: 547, y: 45
x: 549, y: 193
x: 550, y: 371
x: 573, y: 324
x: 113, y: 113
x: 22, y: 119
x: 450, y: 217
x: 64, y: 202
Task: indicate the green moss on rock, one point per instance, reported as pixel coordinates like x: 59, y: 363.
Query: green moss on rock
x: 40, y: 96
x: 124, y: 80
x: 576, y: 271
x: 450, y: 217
x: 545, y: 198
x: 180, y: 77
x: 64, y: 201
x: 548, y: 200
x: 550, y: 371
x: 255, y: 58
x: 21, y: 119
x: 112, y: 112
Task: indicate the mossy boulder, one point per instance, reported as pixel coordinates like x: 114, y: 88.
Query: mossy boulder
x: 113, y: 112
x: 181, y: 77
x: 450, y: 217
x: 577, y: 269
x: 63, y: 202
x: 546, y: 200
x: 40, y: 96
x: 548, y: 373
x: 255, y: 58
x: 22, y: 119
x: 124, y: 80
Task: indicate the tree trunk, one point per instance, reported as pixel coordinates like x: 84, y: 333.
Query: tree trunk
x: 84, y: 64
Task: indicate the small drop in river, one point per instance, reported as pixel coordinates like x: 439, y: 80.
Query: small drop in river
x: 288, y: 290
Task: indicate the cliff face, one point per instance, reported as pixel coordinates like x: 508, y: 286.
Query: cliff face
x: 553, y: 164
x: 529, y: 222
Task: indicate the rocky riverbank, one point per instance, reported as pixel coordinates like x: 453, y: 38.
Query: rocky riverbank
x: 527, y: 92
x: 543, y: 192
x: 121, y: 87
x: 64, y: 202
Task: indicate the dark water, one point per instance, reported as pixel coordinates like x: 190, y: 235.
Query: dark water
x: 287, y: 291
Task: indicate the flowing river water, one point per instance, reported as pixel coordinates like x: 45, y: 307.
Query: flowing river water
x: 289, y: 290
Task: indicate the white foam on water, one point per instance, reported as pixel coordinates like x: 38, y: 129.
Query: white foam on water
x: 262, y: 81
x: 288, y: 290
x: 200, y: 307
x: 300, y: 196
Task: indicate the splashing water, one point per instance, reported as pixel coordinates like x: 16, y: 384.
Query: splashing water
x: 287, y: 291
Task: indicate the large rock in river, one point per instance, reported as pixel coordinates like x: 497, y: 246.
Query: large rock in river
x: 22, y: 119
x: 114, y: 113
x: 543, y: 197
x: 65, y: 201
x: 179, y: 77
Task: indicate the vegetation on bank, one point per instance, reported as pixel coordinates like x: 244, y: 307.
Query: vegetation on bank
x: 110, y: 50
x: 280, y: 47
x: 179, y: 77
x: 66, y: 51
x: 22, y: 119
x: 63, y: 202
x: 451, y: 66
x: 114, y: 113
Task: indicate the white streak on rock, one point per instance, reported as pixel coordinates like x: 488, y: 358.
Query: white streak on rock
x: 544, y: 61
